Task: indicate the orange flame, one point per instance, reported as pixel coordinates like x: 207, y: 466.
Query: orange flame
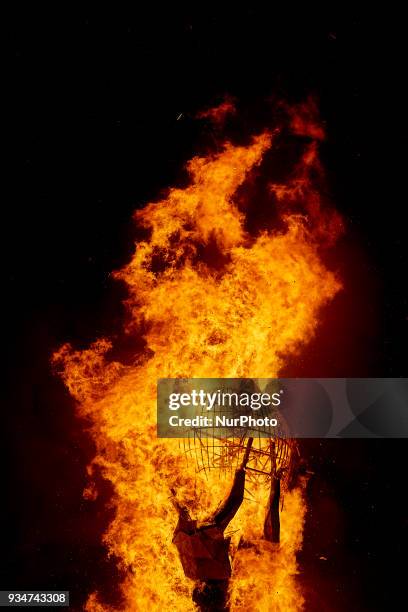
x: 209, y: 300
x: 218, y: 114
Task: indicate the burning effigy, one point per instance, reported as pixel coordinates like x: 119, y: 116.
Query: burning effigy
x: 244, y: 311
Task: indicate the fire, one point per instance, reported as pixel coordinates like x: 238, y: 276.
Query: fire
x: 209, y: 300
x: 218, y: 114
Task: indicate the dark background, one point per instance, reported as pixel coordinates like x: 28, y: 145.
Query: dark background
x: 95, y: 101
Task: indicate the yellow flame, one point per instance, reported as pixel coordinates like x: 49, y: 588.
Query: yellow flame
x: 243, y: 317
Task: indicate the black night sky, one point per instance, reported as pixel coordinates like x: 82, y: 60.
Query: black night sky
x: 95, y: 133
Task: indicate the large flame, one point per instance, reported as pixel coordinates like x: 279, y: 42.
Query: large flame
x: 209, y: 300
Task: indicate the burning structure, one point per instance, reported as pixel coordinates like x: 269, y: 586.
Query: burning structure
x: 208, y: 298
x: 203, y: 549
